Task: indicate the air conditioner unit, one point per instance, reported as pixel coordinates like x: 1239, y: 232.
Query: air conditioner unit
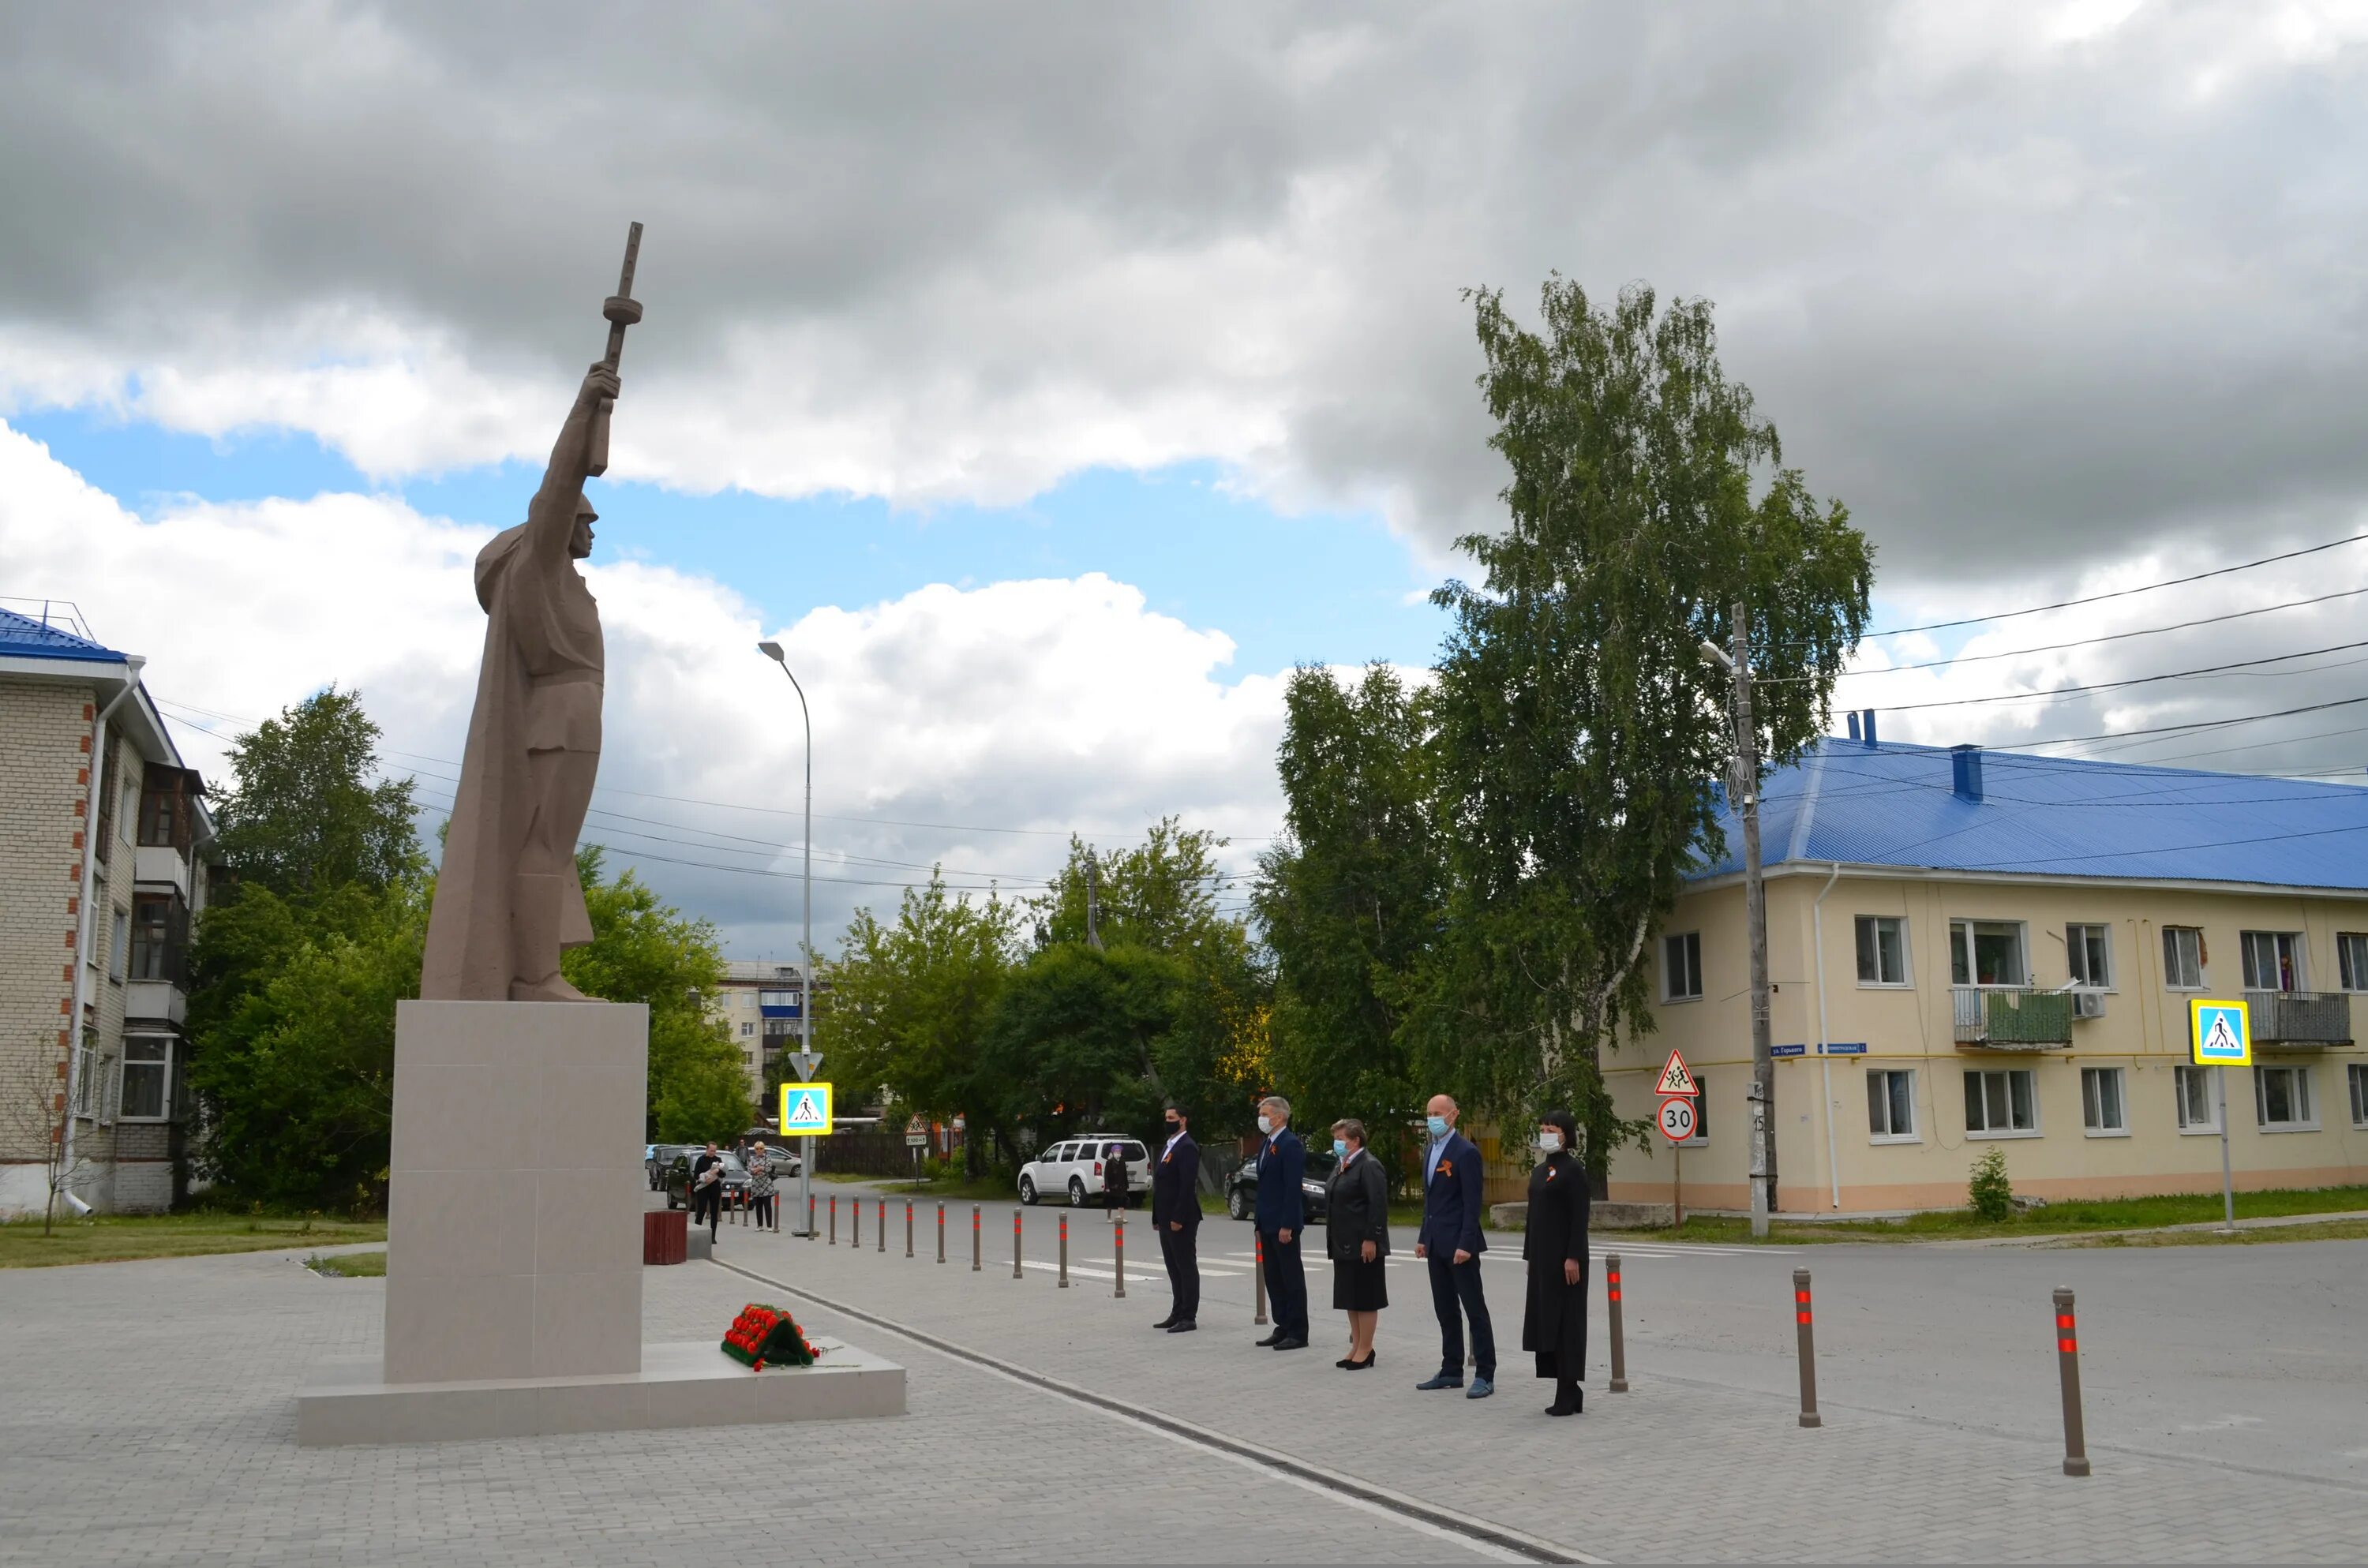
x: 2087, y: 1003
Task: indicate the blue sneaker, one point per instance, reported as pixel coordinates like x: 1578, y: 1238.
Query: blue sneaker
x: 1441, y: 1380
x: 1481, y: 1389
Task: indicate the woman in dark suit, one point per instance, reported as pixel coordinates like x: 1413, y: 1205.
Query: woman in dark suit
x: 1555, y: 1327
x: 1114, y: 1175
x: 1357, y: 1234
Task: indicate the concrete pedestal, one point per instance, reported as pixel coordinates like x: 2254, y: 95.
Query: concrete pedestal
x: 516, y: 1191
x: 678, y: 1385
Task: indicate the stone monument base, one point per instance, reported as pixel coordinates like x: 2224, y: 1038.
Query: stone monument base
x: 679, y: 1384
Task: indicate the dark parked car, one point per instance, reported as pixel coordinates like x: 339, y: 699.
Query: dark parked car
x: 677, y: 1181
x: 661, y: 1159
x: 1241, y: 1192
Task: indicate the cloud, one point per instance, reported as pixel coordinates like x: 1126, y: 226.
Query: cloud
x: 1031, y: 707
x: 2023, y: 284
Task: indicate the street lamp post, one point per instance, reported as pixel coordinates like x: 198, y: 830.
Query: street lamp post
x: 805, y: 981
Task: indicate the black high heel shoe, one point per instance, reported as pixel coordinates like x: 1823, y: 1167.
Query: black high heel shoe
x: 1370, y: 1357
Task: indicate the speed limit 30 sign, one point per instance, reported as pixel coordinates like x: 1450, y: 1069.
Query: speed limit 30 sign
x: 1677, y: 1118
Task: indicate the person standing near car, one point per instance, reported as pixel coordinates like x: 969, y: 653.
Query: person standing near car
x: 1357, y: 1234
x: 1281, y: 1165
x: 707, y: 1191
x: 1175, y: 1215
x: 760, y: 1189
x: 1451, y: 1241
x: 1114, y: 1179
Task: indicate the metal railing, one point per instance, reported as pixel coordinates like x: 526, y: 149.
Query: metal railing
x: 2300, y: 1017
x: 2007, y: 1015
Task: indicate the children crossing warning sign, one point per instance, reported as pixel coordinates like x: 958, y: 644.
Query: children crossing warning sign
x: 1675, y: 1079
x: 805, y: 1111
x: 2219, y: 1034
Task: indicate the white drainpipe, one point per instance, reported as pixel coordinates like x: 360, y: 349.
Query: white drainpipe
x: 89, y: 922
x: 1825, y: 1062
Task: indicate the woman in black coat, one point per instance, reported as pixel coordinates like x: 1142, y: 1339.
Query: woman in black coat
x: 1555, y: 1327
x: 1114, y: 1175
x: 1357, y: 1234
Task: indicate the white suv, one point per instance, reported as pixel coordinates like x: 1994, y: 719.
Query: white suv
x: 1074, y: 1167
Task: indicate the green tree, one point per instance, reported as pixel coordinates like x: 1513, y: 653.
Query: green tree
x: 1079, y: 1036
x: 1577, y: 725
x: 1161, y: 896
x: 1350, y: 898
x: 910, y: 1002
x: 303, y: 817
x: 645, y: 951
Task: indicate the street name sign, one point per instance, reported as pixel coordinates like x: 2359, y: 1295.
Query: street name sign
x: 805, y: 1111
x: 2219, y: 1034
x: 1675, y: 1079
x: 1677, y: 1118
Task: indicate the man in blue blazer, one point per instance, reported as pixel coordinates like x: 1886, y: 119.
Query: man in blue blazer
x: 1451, y: 1241
x: 1175, y: 1215
x: 1282, y: 1162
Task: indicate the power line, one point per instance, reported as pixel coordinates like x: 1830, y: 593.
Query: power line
x: 2063, y: 691
x: 2119, y: 592
x: 2092, y: 641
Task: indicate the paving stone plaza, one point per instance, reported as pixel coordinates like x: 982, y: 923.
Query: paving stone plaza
x: 168, y: 1437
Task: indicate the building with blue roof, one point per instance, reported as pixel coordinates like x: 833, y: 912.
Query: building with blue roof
x: 104, y: 838
x: 1972, y: 949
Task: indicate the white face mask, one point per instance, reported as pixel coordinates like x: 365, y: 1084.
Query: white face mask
x: 1266, y: 1125
x: 1549, y: 1142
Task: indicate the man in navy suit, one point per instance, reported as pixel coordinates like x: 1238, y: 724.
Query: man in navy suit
x: 1282, y: 1162
x: 1175, y: 1215
x: 1451, y: 1239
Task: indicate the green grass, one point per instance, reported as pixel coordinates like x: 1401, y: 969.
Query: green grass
x: 2325, y: 1231
x: 116, y: 1238
x: 2055, y: 1218
x: 349, y: 1264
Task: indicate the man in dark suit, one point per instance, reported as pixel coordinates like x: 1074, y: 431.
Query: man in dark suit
x: 1451, y: 1239
x: 1282, y: 1161
x: 1175, y: 1215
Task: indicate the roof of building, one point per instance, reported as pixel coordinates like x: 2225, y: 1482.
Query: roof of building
x: 1892, y: 804
x: 51, y: 635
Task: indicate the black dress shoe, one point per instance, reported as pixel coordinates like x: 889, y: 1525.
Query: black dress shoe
x: 1292, y: 1344
x: 1268, y: 1343
x: 1187, y: 1326
x: 1167, y: 1322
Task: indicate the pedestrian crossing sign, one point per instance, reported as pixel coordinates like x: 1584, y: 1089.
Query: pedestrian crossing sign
x: 2219, y: 1034
x: 1676, y: 1079
x: 805, y: 1111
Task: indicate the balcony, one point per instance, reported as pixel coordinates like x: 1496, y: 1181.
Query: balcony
x: 2011, y: 1017
x: 2299, y: 1018
x: 161, y: 866
x: 156, y: 1001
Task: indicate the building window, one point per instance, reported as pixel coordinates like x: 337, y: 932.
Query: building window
x: 2358, y: 1074
x: 1701, y: 1134
x: 2002, y: 1103
x: 2199, y: 1108
x: 118, y: 944
x: 147, y: 1074
x: 747, y: 1030
x: 2089, y: 950
x: 1681, y: 968
x: 1986, y: 952
x: 2273, y: 960
x: 155, y: 938
x: 163, y: 810
x: 1882, y: 950
x: 2281, y: 1099
x: 1891, y: 1104
x: 2352, y: 959
x: 2100, y: 1103
x: 2182, y: 958
x: 87, y: 1075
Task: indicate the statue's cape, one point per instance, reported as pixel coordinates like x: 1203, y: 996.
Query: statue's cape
x: 468, y: 955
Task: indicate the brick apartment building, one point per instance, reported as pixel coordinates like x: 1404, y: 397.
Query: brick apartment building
x: 103, y: 862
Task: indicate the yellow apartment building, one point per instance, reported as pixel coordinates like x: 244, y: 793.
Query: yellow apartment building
x: 1975, y: 950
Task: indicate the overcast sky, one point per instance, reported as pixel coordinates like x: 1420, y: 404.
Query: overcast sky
x: 1053, y: 378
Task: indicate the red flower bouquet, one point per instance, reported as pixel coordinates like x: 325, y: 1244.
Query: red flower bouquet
x: 763, y: 1335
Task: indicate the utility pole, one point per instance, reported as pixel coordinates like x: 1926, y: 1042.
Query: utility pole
x: 1093, y: 902
x: 775, y: 651
x: 1743, y: 791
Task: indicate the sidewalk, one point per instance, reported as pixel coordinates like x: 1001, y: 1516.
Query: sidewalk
x: 1681, y: 1468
